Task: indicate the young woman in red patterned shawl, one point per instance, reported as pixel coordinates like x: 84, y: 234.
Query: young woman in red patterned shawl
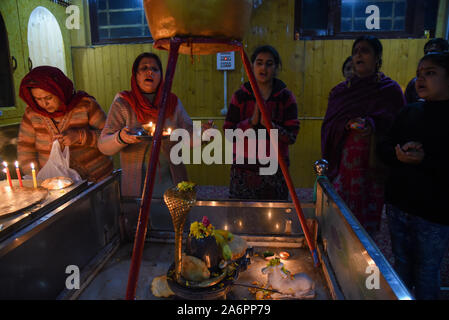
x: 56, y: 111
x: 246, y: 180
x: 360, y: 109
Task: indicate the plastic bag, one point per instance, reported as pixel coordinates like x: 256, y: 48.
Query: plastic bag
x: 58, y: 164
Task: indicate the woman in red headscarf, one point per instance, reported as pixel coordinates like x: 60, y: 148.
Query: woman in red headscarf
x: 132, y: 109
x: 56, y: 111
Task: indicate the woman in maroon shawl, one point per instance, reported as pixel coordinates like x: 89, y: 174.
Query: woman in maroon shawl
x: 360, y: 109
x: 56, y: 111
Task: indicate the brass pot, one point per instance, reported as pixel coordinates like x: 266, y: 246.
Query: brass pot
x: 224, y: 19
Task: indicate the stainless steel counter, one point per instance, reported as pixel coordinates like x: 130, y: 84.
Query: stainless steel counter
x: 110, y: 283
x: 65, y: 230
x: 55, y: 198
x: 349, y: 257
x: 84, y: 231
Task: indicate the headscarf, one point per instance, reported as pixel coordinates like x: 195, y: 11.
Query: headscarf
x: 145, y: 109
x: 54, y: 81
x: 376, y: 98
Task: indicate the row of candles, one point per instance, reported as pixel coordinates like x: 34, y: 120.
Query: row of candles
x: 152, y: 128
x: 19, y: 176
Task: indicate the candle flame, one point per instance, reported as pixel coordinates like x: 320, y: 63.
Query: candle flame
x: 4, y: 170
x: 32, y: 165
x: 5, y: 164
x: 17, y: 164
x: 169, y: 131
x: 150, y: 124
x: 284, y: 255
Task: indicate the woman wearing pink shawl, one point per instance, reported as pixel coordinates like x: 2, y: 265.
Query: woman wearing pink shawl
x: 360, y: 109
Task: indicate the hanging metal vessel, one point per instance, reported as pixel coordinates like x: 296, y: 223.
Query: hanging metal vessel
x: 217, y: 19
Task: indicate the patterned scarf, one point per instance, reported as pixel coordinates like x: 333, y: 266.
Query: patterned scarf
x: 145, y: 109
x: 54, y: 81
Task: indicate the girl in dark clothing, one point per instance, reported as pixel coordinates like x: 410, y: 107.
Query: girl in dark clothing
x: 246, y: 182
x: 434, y: 45
x: 417, y: 151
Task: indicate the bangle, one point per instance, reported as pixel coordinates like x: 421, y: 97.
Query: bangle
x: 120, y: 139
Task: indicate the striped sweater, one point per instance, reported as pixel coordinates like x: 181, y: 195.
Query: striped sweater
x: 37, y: 133
x: 134, y: 157
x: 281, y: 107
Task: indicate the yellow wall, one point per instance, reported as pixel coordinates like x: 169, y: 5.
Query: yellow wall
x: 310, y: 69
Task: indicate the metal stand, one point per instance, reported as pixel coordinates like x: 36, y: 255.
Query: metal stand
x: 174, y: 44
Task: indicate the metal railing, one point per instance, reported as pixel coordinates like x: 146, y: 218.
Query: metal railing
x: 362, y: 271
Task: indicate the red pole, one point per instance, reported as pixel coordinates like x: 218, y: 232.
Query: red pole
x: 151, y: 172
x: 283, y: 165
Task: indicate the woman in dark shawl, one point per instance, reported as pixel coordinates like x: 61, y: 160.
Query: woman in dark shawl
x: 360, y: 109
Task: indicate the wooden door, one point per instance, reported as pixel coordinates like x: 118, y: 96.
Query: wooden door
x: 44, y: 40
x: 26, y: 9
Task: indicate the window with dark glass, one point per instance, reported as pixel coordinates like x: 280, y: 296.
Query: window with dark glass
x: 391, y: 15
x: 115, y: 21
x: 383, y: 18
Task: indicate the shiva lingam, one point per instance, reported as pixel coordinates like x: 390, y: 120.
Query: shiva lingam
x: 213, y: 258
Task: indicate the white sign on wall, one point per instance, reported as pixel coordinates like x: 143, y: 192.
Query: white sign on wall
x: 226, y: 60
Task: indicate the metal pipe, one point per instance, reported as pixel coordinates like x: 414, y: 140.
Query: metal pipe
x: 151, y: 172
x: 224, y: 111
x: 282, y: 163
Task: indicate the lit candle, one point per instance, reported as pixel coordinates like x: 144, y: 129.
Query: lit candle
x: 168, y: 131
x: 284, y: 255
x: 18, y: 174
x: 6, y: 170
x: 33, y: 172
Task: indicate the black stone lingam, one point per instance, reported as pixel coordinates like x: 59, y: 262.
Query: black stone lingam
x: 205, y: 248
